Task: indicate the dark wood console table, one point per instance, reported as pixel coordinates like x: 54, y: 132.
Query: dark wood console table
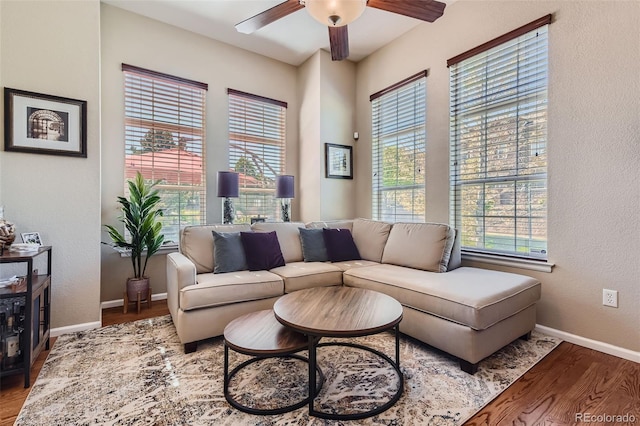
x: 32, y: 298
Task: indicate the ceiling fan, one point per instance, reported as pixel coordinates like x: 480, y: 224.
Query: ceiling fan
x: 337, y: 14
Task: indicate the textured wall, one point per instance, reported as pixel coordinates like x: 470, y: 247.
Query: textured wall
x: 594, y: 128
x: 54, y: 48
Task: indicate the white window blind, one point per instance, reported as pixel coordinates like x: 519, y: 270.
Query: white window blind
x: 165, y: 140
x: 399, y: 145
x: 498, y: 135
x: 257, y: 133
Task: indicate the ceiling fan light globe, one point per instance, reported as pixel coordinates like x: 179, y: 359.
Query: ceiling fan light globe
x: 326, y: 11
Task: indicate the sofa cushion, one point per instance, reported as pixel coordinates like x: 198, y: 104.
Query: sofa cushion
x: 348, y: 264
x: 340, y: 245
x: 262, y: 250
x: 233, y: 287
x: 478, y: 298
x: 370, y: 236
x: 196, y: 243
x: 288, y: 237
x: 313, y: 247
x: 301, y: 275
x: 228, y: 252
x: 424, y: 246
x: 332, y: 224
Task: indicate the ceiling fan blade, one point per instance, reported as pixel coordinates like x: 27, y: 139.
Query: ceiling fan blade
x: 425, y: 10
x: 339, y: 41
x: 268, y: 16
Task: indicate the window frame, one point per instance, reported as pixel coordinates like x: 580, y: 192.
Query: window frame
x: 257, y: 127
x: 400, y: 94
x: 485, y: 107
x: 156, y: 104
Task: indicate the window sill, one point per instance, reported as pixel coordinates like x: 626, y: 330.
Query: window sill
x: 168, y: 248
x: 534, y: 265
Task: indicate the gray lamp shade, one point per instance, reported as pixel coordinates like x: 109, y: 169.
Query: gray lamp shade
x: 227, y: 184
x: 284, y: 186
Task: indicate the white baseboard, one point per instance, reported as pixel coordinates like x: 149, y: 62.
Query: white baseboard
x: 591, y: 344
x: 74, y: 328
x: 120, y: 302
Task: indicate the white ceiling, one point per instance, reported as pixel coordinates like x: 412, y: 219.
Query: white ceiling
x: 291, y: 39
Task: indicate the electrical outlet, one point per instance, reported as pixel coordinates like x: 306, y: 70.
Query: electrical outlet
x: 610, y: 298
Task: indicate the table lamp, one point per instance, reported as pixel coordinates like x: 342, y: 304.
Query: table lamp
x: 284, y: 191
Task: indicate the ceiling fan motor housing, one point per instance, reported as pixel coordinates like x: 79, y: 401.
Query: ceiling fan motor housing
x: 335, y: 13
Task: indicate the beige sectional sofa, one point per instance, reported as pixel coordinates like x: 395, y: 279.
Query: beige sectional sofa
x: 467, y: 312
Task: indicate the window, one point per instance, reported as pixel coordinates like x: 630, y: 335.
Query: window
x: 399, y: 144
x: 165, y: 140
x: 498, y: 135
x: 256, y: 153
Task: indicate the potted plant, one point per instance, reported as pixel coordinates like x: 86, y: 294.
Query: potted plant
x: 140, y: 217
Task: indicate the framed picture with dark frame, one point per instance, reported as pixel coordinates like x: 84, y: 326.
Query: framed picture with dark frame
x: 44, y: 124
x: 338, y: 161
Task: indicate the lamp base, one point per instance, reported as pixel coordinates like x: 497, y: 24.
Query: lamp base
x: 285, y: 210
x: 228, y: 212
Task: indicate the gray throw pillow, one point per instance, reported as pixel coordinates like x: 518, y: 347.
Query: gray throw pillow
x: 228, y: 252
x: 313, y: 246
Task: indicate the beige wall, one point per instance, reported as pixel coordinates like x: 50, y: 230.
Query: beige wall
x: 132, y: 39
x: 54, y: 48
x: 326, y: 93
x: 337, y: 109
x: 594, y: 196
x: 310, y: 123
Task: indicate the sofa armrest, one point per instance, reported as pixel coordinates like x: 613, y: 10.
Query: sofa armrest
x: 181, y: 272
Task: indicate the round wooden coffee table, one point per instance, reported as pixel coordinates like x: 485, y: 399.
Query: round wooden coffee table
x: 342, y: 312
x: 260, y: 335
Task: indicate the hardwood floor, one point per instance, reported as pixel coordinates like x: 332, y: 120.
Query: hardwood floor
x: 571, y: 380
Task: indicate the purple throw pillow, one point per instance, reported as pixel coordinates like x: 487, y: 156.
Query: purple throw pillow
x: 340, y: 245
x: 262, y: 250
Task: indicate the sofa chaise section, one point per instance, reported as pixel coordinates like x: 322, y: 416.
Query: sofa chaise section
x: 467, y: 312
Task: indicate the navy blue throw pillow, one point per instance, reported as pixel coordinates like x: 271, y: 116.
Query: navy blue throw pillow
x: 340, y: 245
x: 228, y: 252
x: 262, y: 250
x: 313, y: 247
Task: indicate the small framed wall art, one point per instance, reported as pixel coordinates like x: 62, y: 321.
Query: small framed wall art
x: 338, y: 161
x: 44, y: 124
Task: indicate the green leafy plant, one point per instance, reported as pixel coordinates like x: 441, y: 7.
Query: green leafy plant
x: 140, y: 217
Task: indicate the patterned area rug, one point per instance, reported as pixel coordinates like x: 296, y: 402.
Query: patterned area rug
x: 137, y: 373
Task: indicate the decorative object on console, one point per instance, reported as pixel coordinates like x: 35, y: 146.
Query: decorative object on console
x: 44, y: 124
x: 140, y: 218
x: 31, y: 238
x: 285, y: 191
x: 7, y: 231
x: 338, y: 161
x: 228, y: 188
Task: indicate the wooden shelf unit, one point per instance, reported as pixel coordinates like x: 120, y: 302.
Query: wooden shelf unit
x: 36, y: 292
